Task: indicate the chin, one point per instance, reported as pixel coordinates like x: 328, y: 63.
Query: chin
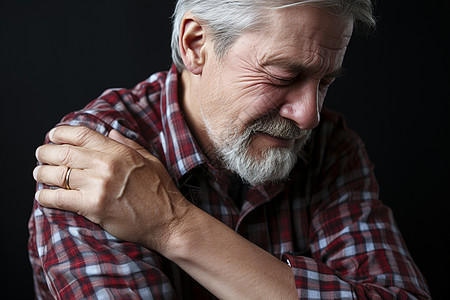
x: 271, y: 165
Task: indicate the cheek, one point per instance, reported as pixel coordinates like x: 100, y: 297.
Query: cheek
x: 255, y: 100
x: 242, y: 96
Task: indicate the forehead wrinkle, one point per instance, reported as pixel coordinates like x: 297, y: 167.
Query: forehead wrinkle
x: 311, y: 27
x: 319, y: 37
x: 308, y: 47
x: 308, y: 43
x: 310, y: 53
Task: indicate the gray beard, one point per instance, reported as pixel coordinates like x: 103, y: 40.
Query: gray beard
x: 270, y: 164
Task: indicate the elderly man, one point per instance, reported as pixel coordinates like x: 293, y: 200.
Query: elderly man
x: 216, y: 179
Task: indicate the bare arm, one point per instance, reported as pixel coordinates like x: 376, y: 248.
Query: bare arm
x: 227, y: 264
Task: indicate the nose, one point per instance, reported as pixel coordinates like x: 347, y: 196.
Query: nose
x: 302, y: 105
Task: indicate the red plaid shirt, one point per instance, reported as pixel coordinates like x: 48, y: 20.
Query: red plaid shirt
x: 326, y: 221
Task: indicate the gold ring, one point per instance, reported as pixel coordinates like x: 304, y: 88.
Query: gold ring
x: 67, y: 178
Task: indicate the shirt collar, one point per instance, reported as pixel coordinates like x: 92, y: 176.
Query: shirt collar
x: 182, y: 152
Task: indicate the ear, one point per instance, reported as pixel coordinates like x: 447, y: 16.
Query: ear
x: 192, y: 44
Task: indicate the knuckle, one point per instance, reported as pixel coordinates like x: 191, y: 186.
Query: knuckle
x: 111, y: 164
x: 135, y: 157
x: 108, y: 165
x: 64, y: 155
x: 58, y: 200
x: 82, y: 135
x: 61, y: 175
x: 127, y: 152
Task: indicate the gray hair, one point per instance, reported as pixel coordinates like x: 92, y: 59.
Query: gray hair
x: 226, y: 20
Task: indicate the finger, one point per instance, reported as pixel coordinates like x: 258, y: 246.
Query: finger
x: 80, y: 136
x: 70, y: 200
x: 116, y: 136
x: 65, y: 155
x: 56, y: 176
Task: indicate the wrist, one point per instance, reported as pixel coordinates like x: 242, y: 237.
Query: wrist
x: 217, y: 258
x: 180, y: 231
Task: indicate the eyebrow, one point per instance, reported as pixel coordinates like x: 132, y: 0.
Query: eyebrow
x: 297, y: 68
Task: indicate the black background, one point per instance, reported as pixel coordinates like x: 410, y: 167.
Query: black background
x: 56, y: 56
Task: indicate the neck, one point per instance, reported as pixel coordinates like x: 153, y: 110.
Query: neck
x: 190, y: 103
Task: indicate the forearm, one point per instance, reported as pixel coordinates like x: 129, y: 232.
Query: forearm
x: 226, y: 264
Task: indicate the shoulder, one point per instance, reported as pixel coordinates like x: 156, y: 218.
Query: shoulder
x: 136, y: 108
x: 134, y: 112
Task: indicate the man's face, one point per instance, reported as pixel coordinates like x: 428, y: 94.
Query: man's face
x: 264, y: 97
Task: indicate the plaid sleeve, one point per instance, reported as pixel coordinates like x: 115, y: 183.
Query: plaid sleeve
x: 73, y: 258
x: 357, y: 249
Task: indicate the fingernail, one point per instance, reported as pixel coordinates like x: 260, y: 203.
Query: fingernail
x: 36, y: 196
x: 36, y: 153
x: 50, y: 134
x: 35, y: 172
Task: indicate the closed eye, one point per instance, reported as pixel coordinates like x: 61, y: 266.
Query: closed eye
x: 282, y: 80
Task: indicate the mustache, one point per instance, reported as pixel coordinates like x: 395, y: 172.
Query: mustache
x: 277, y: 126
